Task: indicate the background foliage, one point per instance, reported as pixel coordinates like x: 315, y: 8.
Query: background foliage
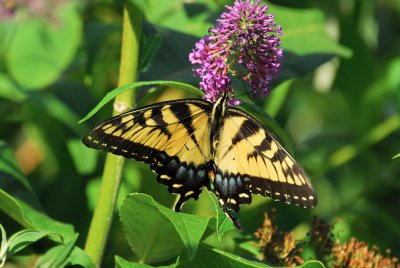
x: 337, y: 100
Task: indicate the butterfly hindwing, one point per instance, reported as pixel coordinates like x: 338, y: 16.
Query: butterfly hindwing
x: 173, y: 137
x: 250, y: 160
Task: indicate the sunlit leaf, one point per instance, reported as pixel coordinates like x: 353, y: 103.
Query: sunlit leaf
x: 187, y: 17
x: 23, y: 239
x: 304, y: 32
x: 3, y: 245
x: 40, y: 50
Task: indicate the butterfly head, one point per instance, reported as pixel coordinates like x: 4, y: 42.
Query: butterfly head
x: 218, y: 110
x: 224, y: 99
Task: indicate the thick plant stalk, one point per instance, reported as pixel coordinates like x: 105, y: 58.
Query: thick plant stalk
x: 111, y: 179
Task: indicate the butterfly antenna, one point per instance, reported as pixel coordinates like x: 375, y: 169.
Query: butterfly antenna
x: 246, y: 92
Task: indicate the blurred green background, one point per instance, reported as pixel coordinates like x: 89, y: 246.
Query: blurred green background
x: 337, y: 99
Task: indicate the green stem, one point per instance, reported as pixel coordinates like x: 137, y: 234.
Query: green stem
x: 111, y: 179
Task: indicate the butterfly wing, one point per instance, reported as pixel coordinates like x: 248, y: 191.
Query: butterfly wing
x: 173, y: 137
x: 249, y: 160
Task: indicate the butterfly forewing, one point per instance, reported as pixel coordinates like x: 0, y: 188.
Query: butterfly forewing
x: 173, y: 137
x: 250, y: 160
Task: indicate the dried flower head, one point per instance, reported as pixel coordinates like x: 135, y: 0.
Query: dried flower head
x: 350, y: 254
x: 277, y: 247
x: 358, y: 254
x: 244, y: 44
x: 321, y: 237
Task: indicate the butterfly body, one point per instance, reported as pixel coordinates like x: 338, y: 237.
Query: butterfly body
x: 193, y: 144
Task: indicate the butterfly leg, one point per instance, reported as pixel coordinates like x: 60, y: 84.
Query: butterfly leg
x: 228, y: 212
x: 178, y: 206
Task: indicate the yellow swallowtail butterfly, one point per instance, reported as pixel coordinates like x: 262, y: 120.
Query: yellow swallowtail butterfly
x: 193, y: 143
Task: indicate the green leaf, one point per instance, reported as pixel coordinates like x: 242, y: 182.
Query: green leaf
x: 122, y: 263
x: 3, y: 246
x: 156, y: 233
x: 174, y: 15
x: 190, y: 228
x: 312, y: 264
x: 112, y: 94
x: 78, y: 152
x: 41, y: 50
x: 212, y: 257
x: 60, y: 111
x: 14, y: 210
x: 149, y: 48
x: 79, y: 257
x: 250, y: 247
x: 223, y: 223
x: 150, y: 234
x: 22, y: 239
x: 396, y: 156
x: 57, y: 256
x: 304, y: 32
x: 19, y: 202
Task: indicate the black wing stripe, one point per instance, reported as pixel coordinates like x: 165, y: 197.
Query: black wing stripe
x: 139, y: 119
x: 244, y: 131
x: 187, y: 122
x: 157, y: 116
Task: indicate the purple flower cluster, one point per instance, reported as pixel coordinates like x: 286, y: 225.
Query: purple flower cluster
x: 244, y: 36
